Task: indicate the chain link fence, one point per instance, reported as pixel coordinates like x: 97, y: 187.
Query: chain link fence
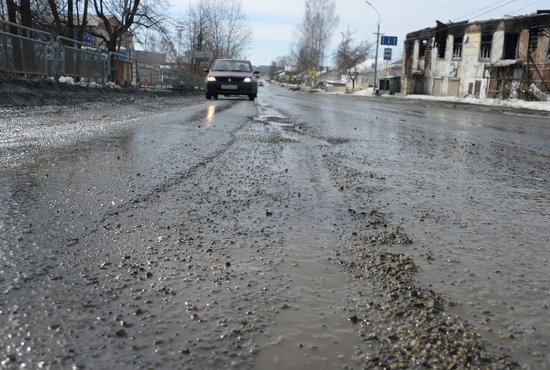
x: 28, y: 51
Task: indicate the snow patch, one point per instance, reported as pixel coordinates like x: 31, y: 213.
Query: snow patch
x: 66, y: 80
x: 510, y: 103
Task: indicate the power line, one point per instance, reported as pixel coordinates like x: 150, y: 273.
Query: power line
x: 482, y: 9
x: 487, y: 9
x: 525, y: 7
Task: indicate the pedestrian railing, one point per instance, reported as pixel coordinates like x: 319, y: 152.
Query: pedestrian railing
x: 25, y: 50
x: 83, y: 61
x: 28, y: 51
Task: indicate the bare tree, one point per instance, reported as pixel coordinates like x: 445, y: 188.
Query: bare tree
x: 348, y: 55
x: 121, y: 18
x: 314, y: 33
x: 230, y: 32
x: 3, y: 10
x: 195, y: 26
x: 23, y: 52
x: 17, y: 11
x: 219, y: 26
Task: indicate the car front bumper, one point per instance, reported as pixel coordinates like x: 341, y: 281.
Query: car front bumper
x: 230, y: 88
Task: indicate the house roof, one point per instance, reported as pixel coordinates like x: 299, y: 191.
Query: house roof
x: 94, y: 20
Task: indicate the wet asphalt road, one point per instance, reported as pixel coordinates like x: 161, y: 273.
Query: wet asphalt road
x: 193, y: 234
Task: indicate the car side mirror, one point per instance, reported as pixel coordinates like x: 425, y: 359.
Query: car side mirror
x: 256, y: 72
x: 206, y: 70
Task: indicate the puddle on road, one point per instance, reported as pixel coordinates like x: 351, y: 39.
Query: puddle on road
x: 313, y: 329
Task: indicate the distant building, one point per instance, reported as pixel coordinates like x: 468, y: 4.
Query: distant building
x: 95, y: 25
x: 390, y: 80
x: 499, y: 58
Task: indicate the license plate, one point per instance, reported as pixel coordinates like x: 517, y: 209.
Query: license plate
x: 229, y: 87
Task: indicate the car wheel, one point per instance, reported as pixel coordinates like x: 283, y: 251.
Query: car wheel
x: 215, y: 96
x: 251, y: 97
x: 208, y: 96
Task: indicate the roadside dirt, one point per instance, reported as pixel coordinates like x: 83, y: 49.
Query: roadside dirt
x: 18, y: 91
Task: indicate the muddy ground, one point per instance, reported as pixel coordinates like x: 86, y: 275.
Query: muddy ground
x: 161, y: 235
x: 18, y: 91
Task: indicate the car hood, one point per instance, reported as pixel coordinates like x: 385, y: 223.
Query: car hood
x: 229, y: 74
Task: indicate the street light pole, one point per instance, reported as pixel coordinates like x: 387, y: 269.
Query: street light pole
x: 377, y: 42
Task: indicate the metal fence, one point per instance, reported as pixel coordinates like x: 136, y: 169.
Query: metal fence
x: 25, y: 50
x: 78, y: 59
x: 29, y: 51
x: 148, y: 74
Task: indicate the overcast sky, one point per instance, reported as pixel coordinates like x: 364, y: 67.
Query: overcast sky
x: 274, y: 21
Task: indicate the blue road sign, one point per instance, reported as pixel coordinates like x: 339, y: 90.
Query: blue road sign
x: 388, y: 40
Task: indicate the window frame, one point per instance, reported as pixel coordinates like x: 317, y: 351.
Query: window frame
x: 458, y: 47
x: 486, y: 47
x: 514, y: 36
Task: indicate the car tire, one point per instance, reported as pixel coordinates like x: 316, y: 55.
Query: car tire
x: 215, y: 96
x: 208, y: 96
x: 251, y: 97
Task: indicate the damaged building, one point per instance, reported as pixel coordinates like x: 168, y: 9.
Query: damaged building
x: 498, y: 58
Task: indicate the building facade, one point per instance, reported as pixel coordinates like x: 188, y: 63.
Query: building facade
x: 498, y: 58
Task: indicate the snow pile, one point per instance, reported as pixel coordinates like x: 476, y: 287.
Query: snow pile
x: 66, y: 80
x: 539, y: 93
x: 511, y: 103
x: 365, y: 92
x: 94, y: 84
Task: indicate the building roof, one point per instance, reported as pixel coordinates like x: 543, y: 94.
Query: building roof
x: 517, y: 23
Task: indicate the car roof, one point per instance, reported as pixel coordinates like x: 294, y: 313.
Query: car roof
x: 233, y: 60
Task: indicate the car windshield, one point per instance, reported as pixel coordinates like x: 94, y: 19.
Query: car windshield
x: 232, y: 65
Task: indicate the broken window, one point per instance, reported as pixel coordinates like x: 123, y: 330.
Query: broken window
x: 511, y: 45
x: 457, y: 47
x: 422, y: 48
x: 534, y: 34
x: 409, y: 53
x: 441, y: 39
x: 441, y: 46
x: 486, y: 44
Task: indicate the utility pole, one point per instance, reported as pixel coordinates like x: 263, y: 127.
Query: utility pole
x: 377, y: 42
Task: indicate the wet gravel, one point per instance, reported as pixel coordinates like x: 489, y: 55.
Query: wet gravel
x: 406, y: 325
x: 169, y: 233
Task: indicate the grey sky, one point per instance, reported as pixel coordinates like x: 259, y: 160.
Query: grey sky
x: 274, y: 22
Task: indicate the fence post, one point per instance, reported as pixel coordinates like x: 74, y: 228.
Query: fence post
x: 46, y: 58
x: 138, y: 77
x: 106, y: 68
x: 56, y: 51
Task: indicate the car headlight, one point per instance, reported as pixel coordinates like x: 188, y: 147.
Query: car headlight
x: 247, y: 79
x: 210, y: 78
